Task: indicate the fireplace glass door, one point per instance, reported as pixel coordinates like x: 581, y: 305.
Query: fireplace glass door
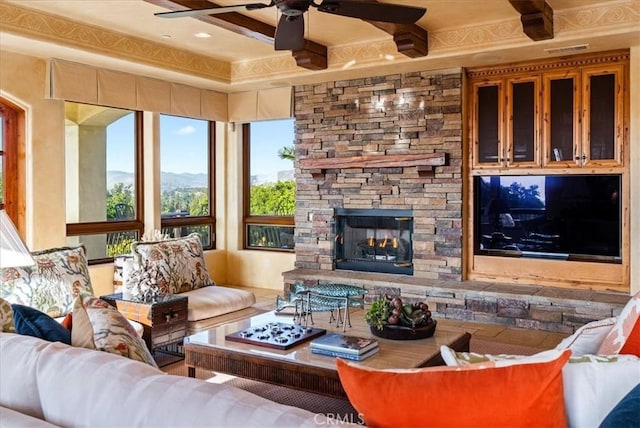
x: 374, y: 240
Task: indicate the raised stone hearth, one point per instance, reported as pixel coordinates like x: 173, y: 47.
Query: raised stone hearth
x: 538, y: 307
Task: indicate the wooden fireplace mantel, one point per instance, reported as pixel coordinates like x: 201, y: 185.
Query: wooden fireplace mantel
x: 424, y: 163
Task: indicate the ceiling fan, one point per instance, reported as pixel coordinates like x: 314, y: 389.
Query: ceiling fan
x: 290, y: 29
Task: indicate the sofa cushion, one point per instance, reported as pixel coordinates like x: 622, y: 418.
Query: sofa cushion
x: 179, y: 263
x: 624, y: 337
x: 595, y: 384
x: 19, y: 385
x: 13, y: 419
x: 588, y: 338
x: 6, y: 317
x: 626, y: 413
x: 493, y: 394
x: 107, y: 330
x: 51, y: 285
x: 126, y: 393
x: 32, y: 322
x: 213, y: 301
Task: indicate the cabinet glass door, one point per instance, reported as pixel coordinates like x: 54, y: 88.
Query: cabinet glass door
x: 488, y: 150
x: 603, y: 115
x: 561, y: 120
x: 523, y: 100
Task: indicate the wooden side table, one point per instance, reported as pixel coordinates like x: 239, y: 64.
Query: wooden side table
x: 164, y: 320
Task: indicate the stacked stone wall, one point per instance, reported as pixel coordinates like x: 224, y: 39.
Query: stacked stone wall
x: 411, y: 113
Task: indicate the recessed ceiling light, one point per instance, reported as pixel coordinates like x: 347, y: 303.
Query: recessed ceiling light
x: 202, y: 35
x: 166, y: 36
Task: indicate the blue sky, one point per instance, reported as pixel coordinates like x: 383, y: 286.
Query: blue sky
x: 179, y: 134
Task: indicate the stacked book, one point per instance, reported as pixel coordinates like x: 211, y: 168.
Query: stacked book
x: 343, y: 346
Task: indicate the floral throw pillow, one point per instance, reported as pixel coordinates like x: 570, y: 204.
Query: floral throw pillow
x: 178, y: 263
x: 98, y: 325
x: 52, y: 283
x: 6, y: 317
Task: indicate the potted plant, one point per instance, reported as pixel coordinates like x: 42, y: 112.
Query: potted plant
x: 390, y: 318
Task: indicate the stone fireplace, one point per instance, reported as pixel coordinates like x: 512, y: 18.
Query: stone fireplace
x: 374, y: 240
x: 382, y: 143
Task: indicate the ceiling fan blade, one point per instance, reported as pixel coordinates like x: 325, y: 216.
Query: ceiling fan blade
x: 289, y: 33
x: 212, y: 10
x: 383, y: 12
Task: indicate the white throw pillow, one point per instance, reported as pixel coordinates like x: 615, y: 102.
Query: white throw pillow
x: 594, y: 384
x: 588, y: 338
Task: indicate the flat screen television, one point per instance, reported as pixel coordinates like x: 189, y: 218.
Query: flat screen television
x: 570, y: 217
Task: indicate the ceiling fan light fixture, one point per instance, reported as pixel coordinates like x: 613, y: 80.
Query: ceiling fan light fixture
x: 289, y: 34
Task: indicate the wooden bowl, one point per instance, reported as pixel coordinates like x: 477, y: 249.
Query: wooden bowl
x: 398, y: 332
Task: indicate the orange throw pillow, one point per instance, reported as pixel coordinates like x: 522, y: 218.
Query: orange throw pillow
x: 67, y: 322
x: 512, y: 394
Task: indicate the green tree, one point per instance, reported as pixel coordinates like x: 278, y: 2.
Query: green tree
x: 287, y: 152
x: 199, y: 204
x: 273, y: 198
x: 523, y: 197
x: 192, y: 200
x: 119, y: 194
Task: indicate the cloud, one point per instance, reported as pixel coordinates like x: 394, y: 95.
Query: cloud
x: 186, y: 130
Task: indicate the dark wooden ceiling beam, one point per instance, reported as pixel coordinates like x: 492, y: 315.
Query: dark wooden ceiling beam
x: 410, y: 39
x: 536, y: 17
x: 312, y: 57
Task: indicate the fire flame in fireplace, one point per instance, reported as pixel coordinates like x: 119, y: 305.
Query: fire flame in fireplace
x: 371, y: 242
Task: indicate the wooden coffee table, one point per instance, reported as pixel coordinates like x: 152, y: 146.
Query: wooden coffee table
x: 297, y: 367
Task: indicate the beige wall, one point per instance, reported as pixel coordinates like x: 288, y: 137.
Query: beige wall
x: 22, y: 81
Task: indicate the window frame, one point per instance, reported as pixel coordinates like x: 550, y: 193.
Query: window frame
x: 207, y: 220
x: 9, y: 158
x: 112, y: 226
x: 261, y: 220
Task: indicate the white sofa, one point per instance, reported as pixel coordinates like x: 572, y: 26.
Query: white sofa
x: 53, y: 384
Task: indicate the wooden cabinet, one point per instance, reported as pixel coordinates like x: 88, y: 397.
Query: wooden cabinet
x: 164, y: 320
x: 583, y: 117
x: 543, y: 122
x: 566, y: 116
x: 506, y: 122
x: 603, y: 115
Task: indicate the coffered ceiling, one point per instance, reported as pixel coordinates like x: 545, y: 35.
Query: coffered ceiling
x: 125, y: 35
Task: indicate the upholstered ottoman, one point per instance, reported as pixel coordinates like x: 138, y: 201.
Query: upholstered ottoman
x: 213, y: 305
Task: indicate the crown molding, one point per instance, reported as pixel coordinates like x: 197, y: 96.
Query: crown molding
x: 614, y: 17
x: 50, y: 28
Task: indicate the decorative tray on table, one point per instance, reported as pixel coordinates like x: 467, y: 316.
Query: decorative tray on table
x: 276, y: 335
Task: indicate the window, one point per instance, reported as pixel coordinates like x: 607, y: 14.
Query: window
x: 8, y: 158
x: 103, y: 173
x: 186, y: 183
x: 269, y: 184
